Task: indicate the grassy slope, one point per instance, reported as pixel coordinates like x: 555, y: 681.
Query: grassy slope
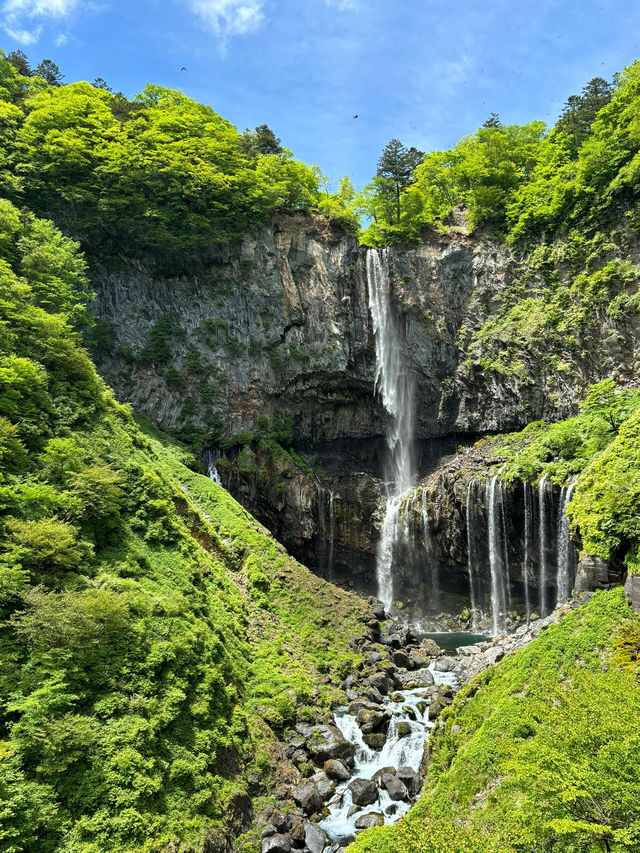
x: 540, y: 753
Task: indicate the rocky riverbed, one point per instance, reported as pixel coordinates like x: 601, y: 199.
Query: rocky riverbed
x: 364, y: 765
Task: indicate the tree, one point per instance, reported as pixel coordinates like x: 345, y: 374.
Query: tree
x: 493, y: 121
x: 19, y: 60
x: 50, y: 72
x: 101, y: 83
x: 580, y: 111
x: 261, y: 140
x: 397, y: 164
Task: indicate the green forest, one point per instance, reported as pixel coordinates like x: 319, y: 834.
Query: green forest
x: 157, y: 643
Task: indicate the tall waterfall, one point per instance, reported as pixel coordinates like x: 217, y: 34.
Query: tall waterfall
x: 326, y: 506
x: 472, y: 553
x: 395, y: 386
x: 332, y: 529
x: 432, y: 563
x: 564, y: 579
x: 497, y: 556
x: 542, y: 543
x: 528, y: 539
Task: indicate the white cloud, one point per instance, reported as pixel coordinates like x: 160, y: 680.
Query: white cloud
x: 344, y: 5
x: 61, y: 39
x: 229, y: 17
x: 20, y: 18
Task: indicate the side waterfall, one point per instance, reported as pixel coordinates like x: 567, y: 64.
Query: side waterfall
x: 210, y: 459
x: 432, y: 565
x: 327, y: 542
x: 496, y: 558
x: 542, y: 543
x: 395, y: 385
x: 528, y: 535
x: 566, y: 551
x: 472, y: 552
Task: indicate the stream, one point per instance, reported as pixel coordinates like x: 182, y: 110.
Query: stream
x: 408, y: 731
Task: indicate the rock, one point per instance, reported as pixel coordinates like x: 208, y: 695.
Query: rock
x: 436, y: 707
x: 362, y: 704
x: 445, y: 664
x: 363, y: 792
x: 380, y: 681
x: 402, y: 659
x: 430, y: 648
x: 411, y: 780
x: 396, y: 789
x: 277, y: 843
x: 375, y: 740
x: 278, y: 821
x: 374, y: 695
x: 632, y: 592
x: 297, y: 833
x: 314, y: 838
x: 418, y: 659
x: 403, y: 728
x: 493, y: 655
x: 325, y: 742
x: 308, y: 797
x: 366, y: 821
x: 372, y: 721
x: 396, y: 697
x: 592, y: 573
x: 377, y: 776
x: 335, y: 769
x: 419, y: 678
x: 325, y: 787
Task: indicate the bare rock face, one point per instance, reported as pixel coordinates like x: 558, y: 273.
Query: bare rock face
x: 632, y: 592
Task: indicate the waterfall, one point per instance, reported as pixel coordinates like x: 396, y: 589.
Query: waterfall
x: 332, y: 530
x: 496, y: 559
x: 506, y: 584
x: 528, y: 530
x: 472, y: 556
x: 564, y: 580
x: 210, y: 459
x: 542, y: 541
x: 394, y: 384
x: 432, y: 564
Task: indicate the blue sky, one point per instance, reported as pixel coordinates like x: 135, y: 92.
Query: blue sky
x: 425, y: 71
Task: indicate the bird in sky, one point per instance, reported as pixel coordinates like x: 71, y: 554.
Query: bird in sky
x: 184, y: 68
x: 355, y: 116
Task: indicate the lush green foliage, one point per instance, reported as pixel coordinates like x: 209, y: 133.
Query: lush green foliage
x: 153, y: 637
x: 161, y: 176
x: 540, y: 752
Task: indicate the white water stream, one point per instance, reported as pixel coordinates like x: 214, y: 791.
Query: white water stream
x: 397, y: 752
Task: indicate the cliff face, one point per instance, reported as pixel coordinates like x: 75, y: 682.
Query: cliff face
x: 280, y: 327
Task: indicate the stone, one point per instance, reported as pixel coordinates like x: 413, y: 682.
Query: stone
x: 372, y: 721
x: 632, y: 592
x: 592, y: 573
x: 375, y: 740
x: 278, y: 821
x: 396, y: 789
x: 430, y: 647
x: 277, y: 843
x: 325, y: 787
x: 418, y: 659
x: 411, y: 780
x: 374, y: 695
x: 403, y: 728
x: 297, y: 833
x: 445, y: 664
x: 325, y: 742
x: 418, y: 678
x: 366, y: 821
x: 314, y: 838
x: 402, y: 659
x: 335, y: 769
x: 363, y: 792
x: 436, y: 707
x: 362, y: 704
x: 308, y: 797
x: 380, y: 681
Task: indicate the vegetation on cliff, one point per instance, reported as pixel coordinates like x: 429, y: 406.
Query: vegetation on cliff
x: 154, y: 638
x: 540, y: 751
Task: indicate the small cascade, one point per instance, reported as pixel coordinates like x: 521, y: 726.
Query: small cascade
x: 210, y: 459
x: 404, y: 747
x: 395, y: 386
x: 472, y: 553
x: 432, y: 563
x: 566, y: 551
x: 528, y: 540
x: 496, y: 556
x: 506, y: 585
x: 543, y: 521
x: 332, y: 530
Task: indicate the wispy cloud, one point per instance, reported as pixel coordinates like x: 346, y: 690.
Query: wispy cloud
x: 229, y: 17
x: 22, y: 19
x: 344, y: 5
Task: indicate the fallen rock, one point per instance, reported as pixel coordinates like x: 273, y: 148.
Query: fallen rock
x: 325, y: 742
x: 297, y: 833
x: 411, y: 780
x: 363, y: 792
x: 335, y: 769
x: 396, y: 789
x: 366, y: 821
x: 308, y: 797
x: 372, y: 721
x: 375, y: 740
x: 277, y: 843
x: 314, y: 838
x: 445, y: 664
x: 419, y: 678
x: 430, y: 647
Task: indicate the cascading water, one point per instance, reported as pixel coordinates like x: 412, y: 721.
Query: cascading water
x: 542, y: 543
x: 496, y: 559
x: 332, y: 529
x: 326, y: 507
x: 404, y: 747
x: 210, y: 458
x: 472, y: 556
x: 566, y: 551
x: 528, y: 532
x: 432, y: 563
x: 396, y: 388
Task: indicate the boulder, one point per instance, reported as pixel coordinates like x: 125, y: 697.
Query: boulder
x: 278, y: 821
x: 402, y: 659
x: 297, y: 833
x: 325, y: 742
x: 314, y: 838
x: 363, y: 792
x: 396, y: 789
x: 419, y: 678
x: 372, y: 721
x: 445, y: 664
x: 335, y: 769
x: 366, y: 821
x: 403, y: 728
x: 380, y: 681
x: 362, y: 704
x: 411, y: 780
x: 418, y: 659
x: 592, y: 573
x: 632, y: 591
x: 308, y: 797
x: 377, y: 776
x: 277, y: 843
x: 376, y: 740
x: 430, y: 647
